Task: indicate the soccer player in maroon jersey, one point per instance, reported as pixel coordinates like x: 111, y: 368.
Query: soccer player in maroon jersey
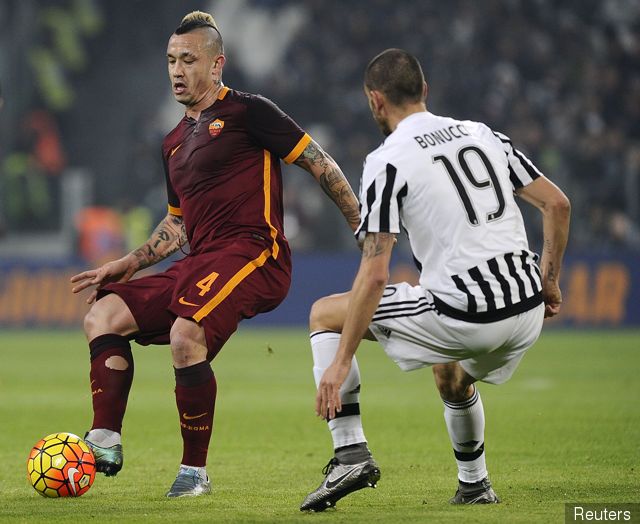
x: 222, y: 167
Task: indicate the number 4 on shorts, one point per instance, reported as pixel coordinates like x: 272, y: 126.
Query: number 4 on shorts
x: 205, y: 284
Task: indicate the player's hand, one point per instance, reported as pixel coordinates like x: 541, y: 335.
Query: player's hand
x: 552, y: 298
x: 328, y: 401
x: 119, y: 270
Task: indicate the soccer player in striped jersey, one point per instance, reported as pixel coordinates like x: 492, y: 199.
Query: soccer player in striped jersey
x: 482, y: 297
x: 224, y: 185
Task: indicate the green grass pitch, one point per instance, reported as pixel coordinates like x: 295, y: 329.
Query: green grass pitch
x: 565, y: 429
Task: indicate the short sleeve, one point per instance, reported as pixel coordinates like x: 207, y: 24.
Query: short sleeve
x: 521, y: 170
x: 382, y: 193
x: 172, y: 198
x: 275, y: 130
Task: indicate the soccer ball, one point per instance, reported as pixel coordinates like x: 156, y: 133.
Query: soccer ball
x: 61, y: 465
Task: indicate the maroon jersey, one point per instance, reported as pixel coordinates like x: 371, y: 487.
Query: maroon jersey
x: 223, y: 170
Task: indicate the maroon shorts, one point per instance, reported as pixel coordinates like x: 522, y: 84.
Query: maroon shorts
x: 217, y: 289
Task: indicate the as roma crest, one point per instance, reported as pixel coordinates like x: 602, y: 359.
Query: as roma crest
x: 215, y: 127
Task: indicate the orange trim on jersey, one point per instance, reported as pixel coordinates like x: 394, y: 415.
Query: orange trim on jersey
x: 297, y: 151
x: 275, y: 248
x: 231, y: 285
x: 254, y: 264
x: 175, y: 210
x: 223, y: 92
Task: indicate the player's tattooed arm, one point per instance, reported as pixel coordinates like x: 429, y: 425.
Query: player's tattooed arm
x: 556, y: 214
x: 330, y: 177
x: 375, y: 244
x: 166, y: 239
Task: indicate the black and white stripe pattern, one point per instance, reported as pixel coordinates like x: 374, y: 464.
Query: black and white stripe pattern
x: 465, y: 404
x: 402, y: 308
x: 499, y: 288
x: 466, y: 456
x: 383, y: 215
x: 521, y: 171
x: 348, y: 410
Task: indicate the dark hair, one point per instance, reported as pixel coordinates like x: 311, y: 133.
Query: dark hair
x: 397, y: 74
x: 198, y: 20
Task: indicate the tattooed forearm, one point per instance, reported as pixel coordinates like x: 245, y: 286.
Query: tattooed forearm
x: 333, y: 182
x: 549, y: 272
x: 336, y: 186
x: 163, y: 236
x: 376, y: 243
x: 165, y: 240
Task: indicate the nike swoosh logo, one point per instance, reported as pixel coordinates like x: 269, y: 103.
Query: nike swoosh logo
x: 189, y: 417
x: 335, y: 482
x: 185, y: 303
x: 72, y: 482
x: 174, y: 150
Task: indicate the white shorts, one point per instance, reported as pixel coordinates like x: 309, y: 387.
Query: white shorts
x: 415, y: 335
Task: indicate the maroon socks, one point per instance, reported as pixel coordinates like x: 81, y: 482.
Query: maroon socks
x: 196, y: 399
x: 111, y: 376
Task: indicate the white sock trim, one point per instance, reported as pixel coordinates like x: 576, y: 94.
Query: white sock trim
x: 105, y: 438
x: 198, y: 470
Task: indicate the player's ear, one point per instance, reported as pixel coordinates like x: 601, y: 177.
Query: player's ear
x: 425, y: 90
x: 218, y: 64
x: 377, y: 100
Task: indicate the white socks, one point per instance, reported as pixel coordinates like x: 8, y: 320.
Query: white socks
x: 200, y: 472
x: 464, y: 420
x: 346, y: 428
x: 465, y: 423
x: 105, y: 438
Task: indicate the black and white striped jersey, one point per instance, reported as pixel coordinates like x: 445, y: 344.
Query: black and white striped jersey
x: 450, y: 184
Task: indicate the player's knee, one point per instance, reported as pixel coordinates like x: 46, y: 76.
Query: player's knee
x: 108, y: 315
x: 451, y: 383
x: 328, y: 313
x: 186, y: 347
x: 453, y: 391
x: 95, y: 322
x: 316, y: 315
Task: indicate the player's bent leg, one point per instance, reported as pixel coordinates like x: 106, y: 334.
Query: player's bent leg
x: 196, y: 391
x: 328, y: 314
x: 352, y: 467
x: 110, y: 314
x: 107, y: 325
x: 464, y: 417
x: 188, y: 343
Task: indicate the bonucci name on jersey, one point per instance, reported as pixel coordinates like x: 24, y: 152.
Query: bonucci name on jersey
x: 450, y: 185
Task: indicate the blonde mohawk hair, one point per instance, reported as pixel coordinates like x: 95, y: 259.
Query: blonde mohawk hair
x: 199, y: 17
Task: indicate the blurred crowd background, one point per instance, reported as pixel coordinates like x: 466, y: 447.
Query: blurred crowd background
x: 85, y: 102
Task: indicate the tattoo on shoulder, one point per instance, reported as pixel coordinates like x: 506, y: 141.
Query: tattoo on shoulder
x: 313, y: 153
x: 376, y: 243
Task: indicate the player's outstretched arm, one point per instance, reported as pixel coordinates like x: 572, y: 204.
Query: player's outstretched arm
x: 556, y: 211
x: 165, y: 240
x: 364, y: 297
x: 330, y: 177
